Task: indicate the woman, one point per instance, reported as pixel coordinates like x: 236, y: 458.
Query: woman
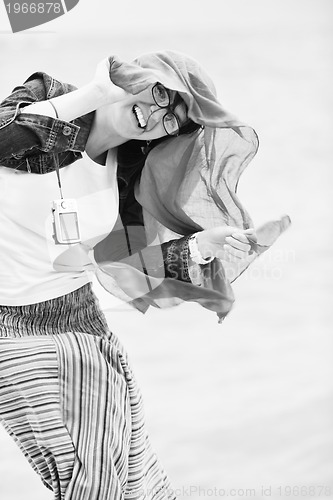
x: 67, y: 394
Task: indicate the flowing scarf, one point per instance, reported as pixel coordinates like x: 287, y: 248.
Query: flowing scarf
x: 188, y: 184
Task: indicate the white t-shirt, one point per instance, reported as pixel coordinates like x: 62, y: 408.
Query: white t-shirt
x: 33, y: 268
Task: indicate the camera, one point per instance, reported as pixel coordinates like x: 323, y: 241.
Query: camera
x: 66, y: 221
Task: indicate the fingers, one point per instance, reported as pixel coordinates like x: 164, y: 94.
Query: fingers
x: 226, y: 242
x: 251, y: 235
x: 231, y: 251
x: 238, y: 245
x: 111, y: 92
x: 239, y: 241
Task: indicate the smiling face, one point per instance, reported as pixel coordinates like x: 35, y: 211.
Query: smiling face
x: 139, y: 117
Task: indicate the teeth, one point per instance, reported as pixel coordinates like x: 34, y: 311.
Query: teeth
x: 139, y: 116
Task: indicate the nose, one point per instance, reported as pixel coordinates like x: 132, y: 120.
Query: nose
x: 153, y: 108
x: 155, y: 116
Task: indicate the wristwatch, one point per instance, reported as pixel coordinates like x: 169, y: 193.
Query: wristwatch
x: 195, y: 253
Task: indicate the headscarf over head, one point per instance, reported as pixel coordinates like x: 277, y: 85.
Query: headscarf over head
x: 189, y: 182
x: 177, y: 72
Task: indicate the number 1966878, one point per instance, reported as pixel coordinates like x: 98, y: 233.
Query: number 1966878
x: 34, y: 8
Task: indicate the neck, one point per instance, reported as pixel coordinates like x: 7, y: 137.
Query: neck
x: 102, y: 136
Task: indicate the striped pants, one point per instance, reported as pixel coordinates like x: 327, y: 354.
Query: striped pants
x: 69, y: 400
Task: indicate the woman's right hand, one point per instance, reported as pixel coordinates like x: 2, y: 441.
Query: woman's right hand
x: 99, y: 92
x: 110, y: 92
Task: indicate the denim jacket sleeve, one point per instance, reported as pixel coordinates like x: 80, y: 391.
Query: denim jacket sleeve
x: 29, y: 142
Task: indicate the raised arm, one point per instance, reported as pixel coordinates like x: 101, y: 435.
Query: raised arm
x: 67, y: 107
x: 45, y: 116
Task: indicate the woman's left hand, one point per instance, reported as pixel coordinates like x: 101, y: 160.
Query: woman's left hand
x: 226, y: 242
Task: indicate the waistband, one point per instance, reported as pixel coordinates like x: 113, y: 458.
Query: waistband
x: 77, y: 311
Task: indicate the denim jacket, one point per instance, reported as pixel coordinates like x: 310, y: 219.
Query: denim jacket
x: 29, y: 142
x: 34, y: 143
